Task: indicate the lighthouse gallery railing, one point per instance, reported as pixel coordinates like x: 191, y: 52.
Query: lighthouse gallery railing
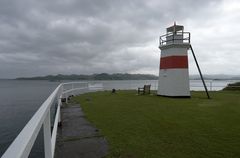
x: 175, y: 38
x: 23, y: 143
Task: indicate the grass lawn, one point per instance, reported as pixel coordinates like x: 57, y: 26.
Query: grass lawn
x: 150, y: 126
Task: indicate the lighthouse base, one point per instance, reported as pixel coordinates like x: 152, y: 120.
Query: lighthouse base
x: 174, y: 83
x: 174, y: 96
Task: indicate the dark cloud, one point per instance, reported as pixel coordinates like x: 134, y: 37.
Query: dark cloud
x: 92, y: 36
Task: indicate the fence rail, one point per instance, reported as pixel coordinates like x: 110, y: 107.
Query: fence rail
x: 23, y: 143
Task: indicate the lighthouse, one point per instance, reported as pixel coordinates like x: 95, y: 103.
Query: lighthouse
x: 173, y: 70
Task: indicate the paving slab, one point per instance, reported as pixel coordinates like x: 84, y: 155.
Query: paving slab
x: 77, y: 137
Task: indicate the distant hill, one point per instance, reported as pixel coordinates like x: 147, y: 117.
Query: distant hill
x: 102, y: 76
x: 123, y: 76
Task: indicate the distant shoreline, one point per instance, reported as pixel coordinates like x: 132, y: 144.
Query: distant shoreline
x: 29, y: 79
x: 102, y: 76
x: 118, y: 76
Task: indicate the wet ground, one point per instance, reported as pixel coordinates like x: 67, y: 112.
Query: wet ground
x: 78, y: 137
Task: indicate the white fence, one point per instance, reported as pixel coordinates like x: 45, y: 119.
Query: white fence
x: 195, y: 85
x: 23, y: 143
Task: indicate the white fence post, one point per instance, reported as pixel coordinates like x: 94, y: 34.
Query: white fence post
x: 59, y: 104
x: 210, y: 85
x: 66, y: 98
x: 72, y: 88
x: 47, y: 136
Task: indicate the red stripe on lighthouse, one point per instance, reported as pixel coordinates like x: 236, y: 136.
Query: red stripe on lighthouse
x: 174, y: 62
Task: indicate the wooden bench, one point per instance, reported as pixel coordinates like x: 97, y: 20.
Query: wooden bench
x: 145, y: 89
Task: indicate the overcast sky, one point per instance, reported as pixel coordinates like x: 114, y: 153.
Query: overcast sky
x: 42, y: 37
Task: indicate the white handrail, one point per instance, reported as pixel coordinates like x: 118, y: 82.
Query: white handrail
x: 73, y: 89
x: 67, y: 83
x: 23, y: 143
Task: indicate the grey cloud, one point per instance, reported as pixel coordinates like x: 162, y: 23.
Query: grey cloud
x: 81, y: 36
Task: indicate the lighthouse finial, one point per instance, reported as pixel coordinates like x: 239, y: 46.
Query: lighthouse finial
x: 174, y: 27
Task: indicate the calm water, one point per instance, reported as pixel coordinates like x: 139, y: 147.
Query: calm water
x: 21, y: 99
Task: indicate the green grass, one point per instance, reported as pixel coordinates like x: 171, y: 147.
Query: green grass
x: 150, y: 126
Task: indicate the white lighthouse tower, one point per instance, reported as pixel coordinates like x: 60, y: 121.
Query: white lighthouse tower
x: 173, y: 71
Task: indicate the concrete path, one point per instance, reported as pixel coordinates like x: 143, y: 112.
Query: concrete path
x: 78, y: 138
